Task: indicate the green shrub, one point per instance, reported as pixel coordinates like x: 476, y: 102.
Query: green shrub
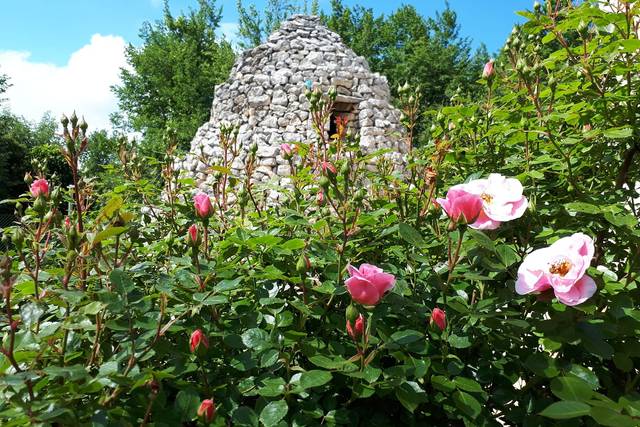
x: 145, y: 308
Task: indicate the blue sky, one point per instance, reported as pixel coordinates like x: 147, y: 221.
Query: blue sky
x: 45, y: 44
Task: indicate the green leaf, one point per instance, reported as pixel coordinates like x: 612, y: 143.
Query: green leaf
x: 609, y: 417
x: 459, y: 342
x: 407, y: 336
x: 245, y: 417
x: 106, y: 233
x: 411, y: 395
x: 411, y: 235
x: 508, y: 256
x: 186, y: 404
x: 30, y: 313
x: 467, y: 384
x: 467, y: 404
x: 256, y: 339
x: 314, y: 378
x: 110, y: 208
x: 293, y: 244
x: 615, y: 133
x: 122, y: 281
x: 565, y: 410
x: 571, y: 388
x: 442, y: 383
x: 481, y: 239
x: 273, y: 413
x: 582, y: 207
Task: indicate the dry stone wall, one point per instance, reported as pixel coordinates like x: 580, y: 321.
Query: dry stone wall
x: 265, y: 97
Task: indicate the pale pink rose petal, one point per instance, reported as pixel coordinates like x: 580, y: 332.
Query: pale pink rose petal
x: 581, y: 291
x: 532, y: 273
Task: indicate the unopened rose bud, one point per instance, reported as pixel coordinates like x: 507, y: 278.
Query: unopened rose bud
x: 303, y: 264
x: 438, y: 317
x: 28, y: 179
x: 207, y: 410
x: 74, y: 119
x: 64, y: 120
x: 198, y: 338
x: 83, y: 125
x: 356, y: 329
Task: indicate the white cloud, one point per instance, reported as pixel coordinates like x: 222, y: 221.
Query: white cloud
x: 83, y: 84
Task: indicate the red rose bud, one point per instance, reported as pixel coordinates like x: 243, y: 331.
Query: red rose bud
x: 40, y: 187
x: 356, y: 331
x: 327, y: 166
x: 207, y: 410
x: 439, y: 317
x: 67, y: 223
x: 203, y: 206
x: 320, y: 198
x: 197, y: 338
x: 193, y: 237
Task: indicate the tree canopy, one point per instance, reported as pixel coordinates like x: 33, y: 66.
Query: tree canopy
x: 169, y: 80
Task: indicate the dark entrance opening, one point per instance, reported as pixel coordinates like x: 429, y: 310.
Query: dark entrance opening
x: 346, y: 111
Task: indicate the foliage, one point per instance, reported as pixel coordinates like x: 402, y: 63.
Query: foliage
x: 170, y: 82
x: 100, y: 312
x: 4, y: 84
x: 254, y: 27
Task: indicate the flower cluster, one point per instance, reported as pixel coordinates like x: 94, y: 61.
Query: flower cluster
x: 485, y: 204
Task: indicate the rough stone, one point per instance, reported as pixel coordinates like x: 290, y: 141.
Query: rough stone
x: 265, y: 97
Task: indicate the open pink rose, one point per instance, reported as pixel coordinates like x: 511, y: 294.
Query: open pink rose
x: 460, y: 203
x: 40, y: 187
x: 368, y: 284
x: 203, y: 206
x: 561, y: 266
x: 501, y: 199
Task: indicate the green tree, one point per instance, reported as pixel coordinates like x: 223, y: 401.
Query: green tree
x: 101, y: 151
x: 255, y: 27
x: 14, y: 133
x: 4, y: 85
x: 172, y: 74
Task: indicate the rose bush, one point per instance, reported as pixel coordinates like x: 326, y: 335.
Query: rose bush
x: 512, y: 300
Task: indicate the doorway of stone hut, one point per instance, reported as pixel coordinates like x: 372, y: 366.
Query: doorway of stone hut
x: 343, y: 110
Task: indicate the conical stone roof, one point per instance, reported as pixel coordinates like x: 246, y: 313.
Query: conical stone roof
x: 265, y: 97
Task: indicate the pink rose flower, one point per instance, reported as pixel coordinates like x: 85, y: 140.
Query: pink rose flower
x: 501, y: 198
x: 439, y: 317
x: 40, y: 187
x: 197, y: 338
x: 459, y: 203
x: 368, y: 284
x: 562, y: 267
x: 207, y: 410
x: 202, y: 203
x: 356, y: 331
x: 488, y: 69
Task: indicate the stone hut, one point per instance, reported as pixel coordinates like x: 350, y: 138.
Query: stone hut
x: 265, y: 97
